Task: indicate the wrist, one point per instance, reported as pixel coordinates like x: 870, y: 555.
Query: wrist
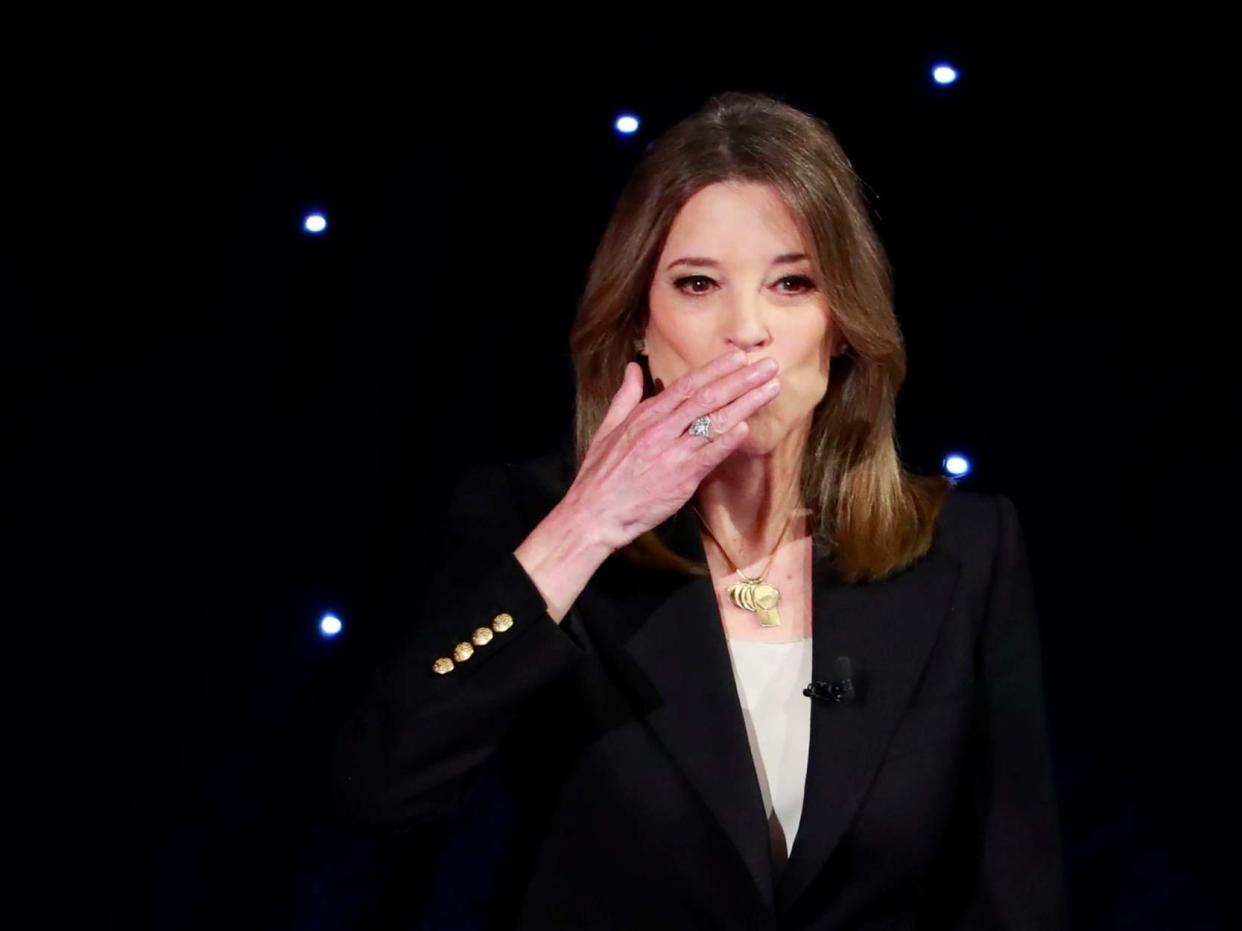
x: 561, y: 555
x: 579, y: 532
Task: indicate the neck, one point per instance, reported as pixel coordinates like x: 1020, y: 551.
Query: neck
x: 747, y: 501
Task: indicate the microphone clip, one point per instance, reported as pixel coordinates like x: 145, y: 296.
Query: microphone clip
x: 839, y: 690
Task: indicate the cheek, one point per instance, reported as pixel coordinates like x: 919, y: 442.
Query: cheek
x: 808, y: 381
x: 801, y: 391
x: 668, y: 361
x: 665, y: 367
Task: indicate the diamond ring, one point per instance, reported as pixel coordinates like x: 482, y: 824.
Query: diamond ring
x: 702, y: 426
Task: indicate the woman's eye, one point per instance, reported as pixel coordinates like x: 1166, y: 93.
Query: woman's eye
x: 680, y: 283
x: 806, y: 283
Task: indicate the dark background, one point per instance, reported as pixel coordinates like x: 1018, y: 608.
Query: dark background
x: 220, y: 428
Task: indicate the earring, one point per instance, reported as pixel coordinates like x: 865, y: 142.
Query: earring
x: 640, y: 344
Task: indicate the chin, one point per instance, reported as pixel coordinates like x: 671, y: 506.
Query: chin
x: 760, y: 441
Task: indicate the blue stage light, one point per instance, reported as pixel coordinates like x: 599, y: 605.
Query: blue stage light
x: 330, y: 625
x: 956, y: 465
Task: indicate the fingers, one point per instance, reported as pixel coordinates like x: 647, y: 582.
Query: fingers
x: 668, y: 400
x: 728, y: 399
x: 719, y: 449
x: 724, y: 419
x: 729, y: 425
x: 625, y: 400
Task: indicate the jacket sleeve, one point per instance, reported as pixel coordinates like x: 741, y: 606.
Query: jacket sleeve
x: 416, y: 742
x: 1018, y: 880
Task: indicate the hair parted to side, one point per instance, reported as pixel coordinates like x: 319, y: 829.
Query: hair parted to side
x: 871, y: 516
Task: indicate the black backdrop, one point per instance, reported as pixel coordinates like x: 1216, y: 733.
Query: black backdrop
x: 220, y: 428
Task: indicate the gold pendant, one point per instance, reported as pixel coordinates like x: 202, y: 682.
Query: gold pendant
x: 758, y: 596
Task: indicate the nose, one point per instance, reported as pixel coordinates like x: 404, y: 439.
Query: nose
x: 747, y: 330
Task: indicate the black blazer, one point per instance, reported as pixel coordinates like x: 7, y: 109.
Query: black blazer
x: 929, y: 799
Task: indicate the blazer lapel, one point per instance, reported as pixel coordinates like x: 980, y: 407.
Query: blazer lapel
x: 887, y: 629
x: 689, y: 699
x: 671, y: 658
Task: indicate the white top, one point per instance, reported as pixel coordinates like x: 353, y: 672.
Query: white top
x: 770, y: 677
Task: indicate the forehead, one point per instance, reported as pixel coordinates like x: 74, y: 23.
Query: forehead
x: 735, y: 219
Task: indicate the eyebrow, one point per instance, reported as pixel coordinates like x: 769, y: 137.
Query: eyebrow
x: 787, y: 259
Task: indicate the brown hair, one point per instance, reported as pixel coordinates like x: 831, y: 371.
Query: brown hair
x: 871, y: 516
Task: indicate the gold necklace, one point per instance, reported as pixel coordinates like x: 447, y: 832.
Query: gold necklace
x: 754, y: 594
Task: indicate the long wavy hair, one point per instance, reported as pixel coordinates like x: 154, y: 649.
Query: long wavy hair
x: 870, y: 516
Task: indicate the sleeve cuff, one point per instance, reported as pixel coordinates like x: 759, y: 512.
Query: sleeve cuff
x: 502, y: 627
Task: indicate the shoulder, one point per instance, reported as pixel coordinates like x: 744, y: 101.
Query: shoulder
x: 972, y: 524
x: 982, y: 533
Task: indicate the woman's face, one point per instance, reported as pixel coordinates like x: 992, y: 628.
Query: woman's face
x: 741, y: 290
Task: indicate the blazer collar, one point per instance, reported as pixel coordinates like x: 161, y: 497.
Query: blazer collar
x: 670, y: 649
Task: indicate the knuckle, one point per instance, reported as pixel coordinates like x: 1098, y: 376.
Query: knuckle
x: 639, y: 440
x: 626, y: 429
x: 708, y: 397
x: 642, y: 410
x: 683, y: 389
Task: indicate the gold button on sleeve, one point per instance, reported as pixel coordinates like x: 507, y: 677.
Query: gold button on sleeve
x: 502, y: 621
x: 463, y: 651
x: 481, y: 636
x: 442, y: 665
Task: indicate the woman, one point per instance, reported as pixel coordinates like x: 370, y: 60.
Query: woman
x: 738, y: 666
